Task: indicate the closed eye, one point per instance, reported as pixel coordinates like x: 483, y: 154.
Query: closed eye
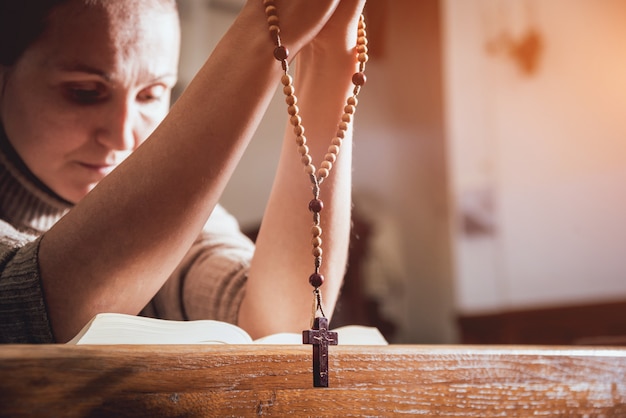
x: 86, y: 93
x: 154, y: 93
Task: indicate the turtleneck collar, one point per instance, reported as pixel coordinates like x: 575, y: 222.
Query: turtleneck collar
x: 25, y: 202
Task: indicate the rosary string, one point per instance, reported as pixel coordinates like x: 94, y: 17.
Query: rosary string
x: 318, y: 175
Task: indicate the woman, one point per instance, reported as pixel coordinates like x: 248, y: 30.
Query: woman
x: 93, y: 222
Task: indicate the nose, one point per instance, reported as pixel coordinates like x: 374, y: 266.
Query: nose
x: 119, y: 125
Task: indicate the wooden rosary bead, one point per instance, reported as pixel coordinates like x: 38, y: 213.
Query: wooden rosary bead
x: 337, y: 141
x: 272, y: 19
x: 301, y: 140
x: 317, y: 252
x: 359, y: 78
x: 316, y: 280
x: 293, y: 110
x: 322, y: 173
x: 303, y: 150
x: 286, y: 80
x: 291, y: 100
x: 330, y: 157
x: 281, y: 53
x: 316, y: 241
x: 316, y: 205
x: 271, y: 10
x: 316, y: 230
x: 289, y: 90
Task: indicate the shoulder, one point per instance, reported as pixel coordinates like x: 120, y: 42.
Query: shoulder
x: 221, y: 221
x: 11, y: 239
x: 23, y: 316
x: 221, y: 236
x: 224, y: 227
x: 18, y: 258
x: 18, y: 251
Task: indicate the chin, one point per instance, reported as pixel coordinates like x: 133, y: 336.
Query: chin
x: 76, y: 195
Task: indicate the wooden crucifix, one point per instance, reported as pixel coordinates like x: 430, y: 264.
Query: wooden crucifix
x: 321, y: 338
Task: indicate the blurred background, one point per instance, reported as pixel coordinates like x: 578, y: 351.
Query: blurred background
x: 489, y: 169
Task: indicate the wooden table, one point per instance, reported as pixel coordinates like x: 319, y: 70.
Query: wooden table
x: 203, y: 380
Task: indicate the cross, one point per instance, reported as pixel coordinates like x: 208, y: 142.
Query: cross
x: 320, y: 337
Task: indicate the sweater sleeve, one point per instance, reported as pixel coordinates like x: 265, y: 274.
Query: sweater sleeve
x: 210, y: 281
x: 23, y: 315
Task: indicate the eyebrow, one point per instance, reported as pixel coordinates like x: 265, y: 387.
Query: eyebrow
x: 83, y: 68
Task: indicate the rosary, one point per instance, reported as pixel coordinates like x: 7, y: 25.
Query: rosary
x: 319, y: 336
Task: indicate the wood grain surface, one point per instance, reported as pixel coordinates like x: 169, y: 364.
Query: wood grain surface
x: 231, y: 380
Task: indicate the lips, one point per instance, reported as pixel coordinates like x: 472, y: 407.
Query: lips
x: 101, y: 168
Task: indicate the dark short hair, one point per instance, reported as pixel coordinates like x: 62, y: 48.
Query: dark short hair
x: 21, y: 23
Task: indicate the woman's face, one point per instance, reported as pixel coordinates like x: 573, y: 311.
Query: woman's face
x: 90, y: 90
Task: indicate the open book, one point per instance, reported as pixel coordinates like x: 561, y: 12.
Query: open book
x: 116, y: 328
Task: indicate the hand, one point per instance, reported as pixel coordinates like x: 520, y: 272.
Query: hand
x: 340, y: 32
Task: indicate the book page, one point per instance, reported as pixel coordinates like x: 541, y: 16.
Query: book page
x: 115, y: 328
x: 280, y: 338
x: 360, y: 335
x: 347, y: 335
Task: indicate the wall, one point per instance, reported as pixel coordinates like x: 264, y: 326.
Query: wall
x: 400, y: 177
x: 204, y: 23
x: 537, y: 153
